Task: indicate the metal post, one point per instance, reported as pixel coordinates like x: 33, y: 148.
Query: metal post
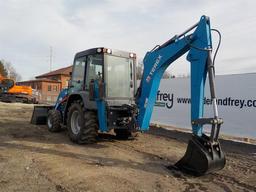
x: 50, y: 58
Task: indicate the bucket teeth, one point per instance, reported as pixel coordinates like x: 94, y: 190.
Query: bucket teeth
x: 201, y: 157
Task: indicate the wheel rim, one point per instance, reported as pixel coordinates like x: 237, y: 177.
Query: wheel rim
x: 75, y: 122
x: 49, y: 122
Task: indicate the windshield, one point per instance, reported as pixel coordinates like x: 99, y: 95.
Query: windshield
x: 119, y: 76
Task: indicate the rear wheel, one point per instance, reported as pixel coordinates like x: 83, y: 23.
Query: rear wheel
x: 82, y: 125
x: 54, y: 120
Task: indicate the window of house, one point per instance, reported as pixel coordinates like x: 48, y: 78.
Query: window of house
x: 49, y: 88
x: 55, y: 88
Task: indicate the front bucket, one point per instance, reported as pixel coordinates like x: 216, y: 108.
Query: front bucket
x: 202, y: 157
x: 39, y: 116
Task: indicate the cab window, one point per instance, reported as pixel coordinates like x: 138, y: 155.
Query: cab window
x: 78, y: 73
x: 94, y: 69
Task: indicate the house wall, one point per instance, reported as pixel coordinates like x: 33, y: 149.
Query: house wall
x: 50, y: 92
x: 33, y: 84
x: 48, y: 87
x: 64, y: 80
x: 46, y: 92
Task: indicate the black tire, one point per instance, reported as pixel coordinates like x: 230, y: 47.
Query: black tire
x: 25, y: 100
x: 54, y: 120
x: 82, y: 125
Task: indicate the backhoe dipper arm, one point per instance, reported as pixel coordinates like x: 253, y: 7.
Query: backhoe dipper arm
x: 157, y: 61
x: 203, y: 153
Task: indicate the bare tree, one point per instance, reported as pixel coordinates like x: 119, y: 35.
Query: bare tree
x: 166, y: 75
x: 183, y: 75
x: 11, y: 71
x: 139, y: 69
x: 3, y: 71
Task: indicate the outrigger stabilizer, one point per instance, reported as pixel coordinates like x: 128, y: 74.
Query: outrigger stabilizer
x: 203, y: 154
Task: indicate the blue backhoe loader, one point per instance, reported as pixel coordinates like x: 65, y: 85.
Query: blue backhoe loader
x: 103, y: 95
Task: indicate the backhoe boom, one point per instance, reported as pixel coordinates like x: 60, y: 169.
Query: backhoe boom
x: 199, y: 47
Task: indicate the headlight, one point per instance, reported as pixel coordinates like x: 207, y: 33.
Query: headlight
x: 132, y: 55
x: 105, y: 50
x: 109, y: 51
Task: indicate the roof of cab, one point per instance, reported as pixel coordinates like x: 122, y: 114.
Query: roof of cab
x: 94, y: 51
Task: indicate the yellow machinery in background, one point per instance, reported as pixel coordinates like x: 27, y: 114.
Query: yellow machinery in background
x: 10, y: 92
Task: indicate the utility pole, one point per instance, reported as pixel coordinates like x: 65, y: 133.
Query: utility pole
x: 50, y: 58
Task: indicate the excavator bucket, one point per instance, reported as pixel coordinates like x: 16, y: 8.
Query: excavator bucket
x: 39, y: 116
x: 201, y: 157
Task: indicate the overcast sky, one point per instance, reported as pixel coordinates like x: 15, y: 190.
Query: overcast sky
x: 30, y: 27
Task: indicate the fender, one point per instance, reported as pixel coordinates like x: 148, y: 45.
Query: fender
x: 71, y: 98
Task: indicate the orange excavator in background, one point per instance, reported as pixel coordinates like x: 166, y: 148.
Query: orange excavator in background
x: 10, y: 92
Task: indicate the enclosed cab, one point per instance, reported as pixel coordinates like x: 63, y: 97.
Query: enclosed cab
x: 116, y: 69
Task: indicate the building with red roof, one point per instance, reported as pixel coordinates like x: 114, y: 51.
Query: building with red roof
x: 47, y: 86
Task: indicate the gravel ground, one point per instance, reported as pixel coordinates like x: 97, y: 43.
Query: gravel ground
x: 32, y: 159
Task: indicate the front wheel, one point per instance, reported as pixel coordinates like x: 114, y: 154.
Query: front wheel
x: 82, y: 125
x: 54, y: 120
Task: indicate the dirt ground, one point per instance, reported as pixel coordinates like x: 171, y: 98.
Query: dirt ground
x: 32, y: 159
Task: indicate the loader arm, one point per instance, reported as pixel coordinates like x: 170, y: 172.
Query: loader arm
x: 198, y: 44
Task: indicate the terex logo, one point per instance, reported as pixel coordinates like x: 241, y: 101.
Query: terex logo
x: 152, y: 71
x: 164, y: 100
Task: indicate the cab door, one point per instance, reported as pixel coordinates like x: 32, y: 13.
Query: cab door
x: 94, y: 71
x: 77, y: 80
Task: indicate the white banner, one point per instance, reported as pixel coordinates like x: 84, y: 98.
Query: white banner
x: 236, y: 98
